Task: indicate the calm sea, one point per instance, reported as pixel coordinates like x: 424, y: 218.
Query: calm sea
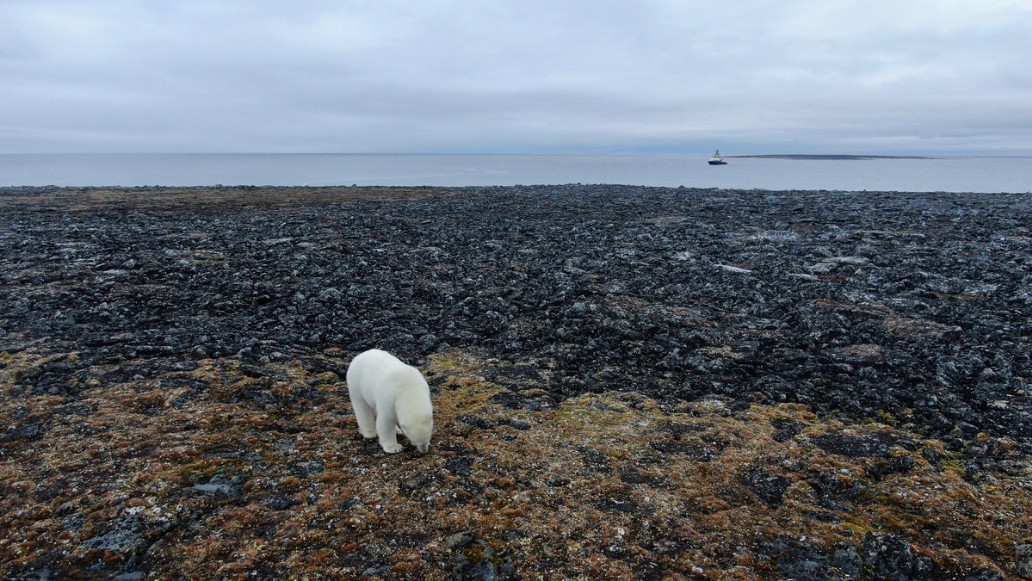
x: 961, y: 174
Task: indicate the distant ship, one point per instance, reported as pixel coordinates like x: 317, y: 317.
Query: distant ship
x: 716, y: 159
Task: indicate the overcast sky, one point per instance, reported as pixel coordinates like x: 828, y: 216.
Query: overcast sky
x: 521, y: 76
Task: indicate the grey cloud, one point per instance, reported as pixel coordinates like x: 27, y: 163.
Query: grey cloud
x: 752, y: 76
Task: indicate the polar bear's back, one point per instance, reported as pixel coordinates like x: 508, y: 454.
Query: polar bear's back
x: 374, y: 370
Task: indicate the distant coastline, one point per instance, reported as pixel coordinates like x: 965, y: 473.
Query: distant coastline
x: 939, y: 173
x: 837, y: 157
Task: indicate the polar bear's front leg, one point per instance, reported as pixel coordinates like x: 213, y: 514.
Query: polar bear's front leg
x: 386, y: 422
x: 366, y: 417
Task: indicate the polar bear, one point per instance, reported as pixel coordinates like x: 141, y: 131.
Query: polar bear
x: 388, y: 398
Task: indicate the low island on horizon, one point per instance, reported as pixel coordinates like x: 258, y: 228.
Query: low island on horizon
x: 832, y: 157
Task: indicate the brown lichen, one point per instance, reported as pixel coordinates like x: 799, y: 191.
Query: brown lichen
x: 607, y: 484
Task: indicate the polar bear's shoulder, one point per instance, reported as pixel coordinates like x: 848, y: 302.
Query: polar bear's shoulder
x: 375, y: 357
x: 376, y: 366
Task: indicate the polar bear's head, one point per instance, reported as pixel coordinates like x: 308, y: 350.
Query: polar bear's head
x: 417, y: 423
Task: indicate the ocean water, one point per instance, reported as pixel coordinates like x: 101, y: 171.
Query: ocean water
x: 956, y: 174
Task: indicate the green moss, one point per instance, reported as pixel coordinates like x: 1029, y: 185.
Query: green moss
x: 954, y: 467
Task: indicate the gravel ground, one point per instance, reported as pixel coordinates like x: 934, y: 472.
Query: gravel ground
x: 912, y: 311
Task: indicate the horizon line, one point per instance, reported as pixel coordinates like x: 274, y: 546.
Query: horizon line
x: 794, y: 156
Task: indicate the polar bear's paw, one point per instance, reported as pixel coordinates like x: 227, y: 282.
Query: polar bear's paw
x: 368, y: 434
x: 392, y: 448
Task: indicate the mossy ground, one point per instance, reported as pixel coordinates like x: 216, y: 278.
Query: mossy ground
x: 223, y: 470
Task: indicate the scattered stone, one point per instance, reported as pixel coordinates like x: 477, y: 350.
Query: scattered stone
x: 459, y: 465
x: 774, y: 236
x: 375, y: 570
x: 219, y: 484
x: 529, y: 400
x: 306, y: 469
x: 863, y: 336
x: 279, y: 501
x: 517, y: 424
x: 847, y: 559
x: 895, y: 465
x: 787, y: 429
x: 459, y: 540
x: 482, y: 571
x: 888, y: 556
x: 853, y: 446
x: 128, y: 535
x: 769, y: 487
x: 30, y: 432
x: 476, y: 421
x: 285, y: 445
x: 595, y: 460
x: 1023, y: 560
x: 904, y: 309
x: 733, y: 269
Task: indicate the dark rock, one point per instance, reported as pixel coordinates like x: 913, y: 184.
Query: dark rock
x: 847, y: 559
x: 595, y: 460
x: 797, y: 559
x: 867, y: 446
x: 634, y: 476
x: 769, y: 487
x: 305, y: 469
x: 375, y: 570
x: 476, y: 421
x: 30, y: 432
x: 984, y: 575
x: 73, y: 521
x: 895, y: 465
x: 696, y: 450
x: 523, y: 401
x: 427, y: 343
x: 787, y: 429
x: 416, y: 485
x: 888, y: 556
x: 127, y: 536
x: 130, y: 535
x: 837, y: 491
x: 1023, y: 560
x: 482, y: 571
x: 618, y: 503
x: 279, y: 501
x: 515, y: 375
x: 459, y: 465
x: 517, y: 424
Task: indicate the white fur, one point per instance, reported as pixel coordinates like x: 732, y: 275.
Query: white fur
x: 388, y: 398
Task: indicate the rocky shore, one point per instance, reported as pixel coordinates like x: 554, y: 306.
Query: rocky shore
x: 630, y: 382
